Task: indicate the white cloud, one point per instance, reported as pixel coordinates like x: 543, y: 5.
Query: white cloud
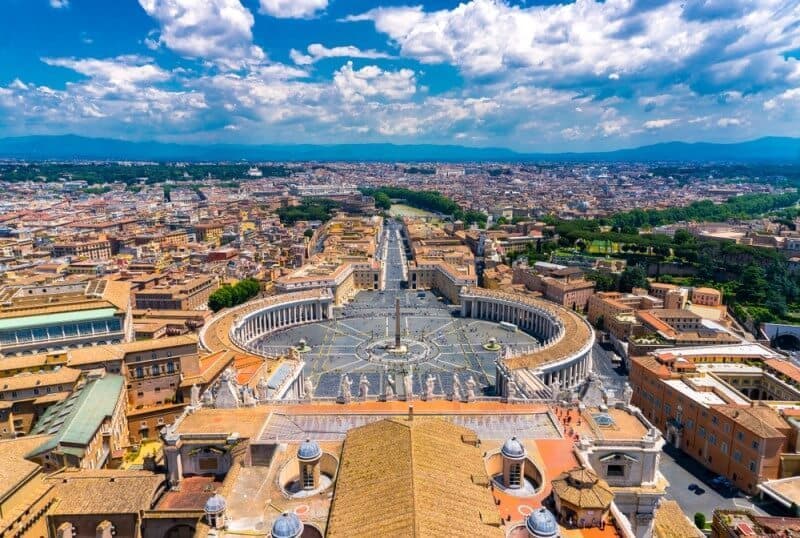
x: 729, y: 122
x: 789, y: 96
x: 219, y: 31
x: 122, y: 72
x: 660, y: 123
x: 58, y: 4
x: 592, y: 41
x: 372, y: 81
x: 572, y: 133
x: 317, y: 51
x: 292, y: 9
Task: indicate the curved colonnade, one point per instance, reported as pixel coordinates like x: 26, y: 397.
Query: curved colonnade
x: 239, y: 327
x: 564, y: 358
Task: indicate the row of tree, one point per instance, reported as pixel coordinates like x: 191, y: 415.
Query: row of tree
x: 738, y: 207
x: 227, y: 296
x: 433, y: 201
x: 151, y: 173
x: 309, y: 209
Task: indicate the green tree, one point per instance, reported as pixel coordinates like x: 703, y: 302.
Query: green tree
x: 221, y: 298
x: 633, y: 277
x: 309, y: 233
x: 603, y: 281
x: 382, y: 200
x: 700, y: 520
x: 682, y: 237
x: 753, y: 285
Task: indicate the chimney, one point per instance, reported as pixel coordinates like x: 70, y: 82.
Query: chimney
x: 410, y: 413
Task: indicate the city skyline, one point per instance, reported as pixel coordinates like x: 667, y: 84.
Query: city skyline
x: 580, y: 76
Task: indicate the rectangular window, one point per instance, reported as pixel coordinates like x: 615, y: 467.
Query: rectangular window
x: 690, y: 424
x: 701, y: 431
x: 714, y: 420
x: 737, y: 456
x: 616, y: 470
x: 740, y: 436
x: 723, y: 447
x: 712, y: 439
x: 514, y: 475
x: 752, y: 466
x: 755, y: 444
x: 726, y: 428
x: 308, y: 477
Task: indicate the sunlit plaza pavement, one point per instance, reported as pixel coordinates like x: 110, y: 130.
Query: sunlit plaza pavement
x: 453, y: 345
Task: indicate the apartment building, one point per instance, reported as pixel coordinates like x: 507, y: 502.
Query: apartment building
x: 92, y: 249
x: 177, y: 293
x: 698, y: 400
x: 558, y: 283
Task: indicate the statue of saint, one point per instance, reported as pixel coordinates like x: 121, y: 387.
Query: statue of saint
x: 388, y: 388
x: 555, y: 389
x: 627, y: 394
x: 455, y: 393
x: 363, y: 387
x: 430, y: 384
x: 408, y: 384
x: 471, y: 384
x: 345, y: 396
x: 512, y: 390
x: 195, y: 396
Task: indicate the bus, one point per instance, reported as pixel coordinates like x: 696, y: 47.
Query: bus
x: 510, y: 327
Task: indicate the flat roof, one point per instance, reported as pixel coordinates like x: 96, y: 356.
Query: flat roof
x: 55, y: 319
x: 785, y: 490
x: 704, y: 398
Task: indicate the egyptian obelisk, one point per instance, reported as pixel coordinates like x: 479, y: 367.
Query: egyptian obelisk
x: 397, y: 323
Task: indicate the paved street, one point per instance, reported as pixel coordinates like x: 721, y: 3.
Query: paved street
x: 681, y: 471
x: 613, y: 377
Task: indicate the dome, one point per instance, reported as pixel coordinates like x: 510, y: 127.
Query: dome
x: 288, y: 525
x: 215, y: 504
x: 309, y: 450
x: 541, y: 523
x: 513, y: 449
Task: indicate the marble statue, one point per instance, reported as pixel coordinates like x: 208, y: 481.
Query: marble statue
x: 308, y: 388
x: 208, y: 398
x: 471, y: 384
x: 195, y: 396
x: 430, y: 384
x: 555, y: 389
x: 345, y: 396
x: 363, y: 387
x: 511, y: 390
x: 627, y: 394
x: 228, y: 395
x: 247, y: 397
x: 455, y: 393
x: 263, y: 390
x: 388, y: 388
x: 408, y: 384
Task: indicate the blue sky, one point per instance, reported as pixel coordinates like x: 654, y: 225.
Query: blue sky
x: 528, y: 75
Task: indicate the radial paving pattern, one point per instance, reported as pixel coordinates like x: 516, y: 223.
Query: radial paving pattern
x: 353, y: 343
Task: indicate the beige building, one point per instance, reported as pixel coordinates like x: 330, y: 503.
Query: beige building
x: 97, y: 249
x: 182, y: 293
x: 88, y: 429
x: 558, y: 283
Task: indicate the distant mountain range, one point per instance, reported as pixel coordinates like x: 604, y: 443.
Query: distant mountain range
x: 73, y: 147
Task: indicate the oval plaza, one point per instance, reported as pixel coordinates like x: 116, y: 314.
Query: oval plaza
x: 391, y: 342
